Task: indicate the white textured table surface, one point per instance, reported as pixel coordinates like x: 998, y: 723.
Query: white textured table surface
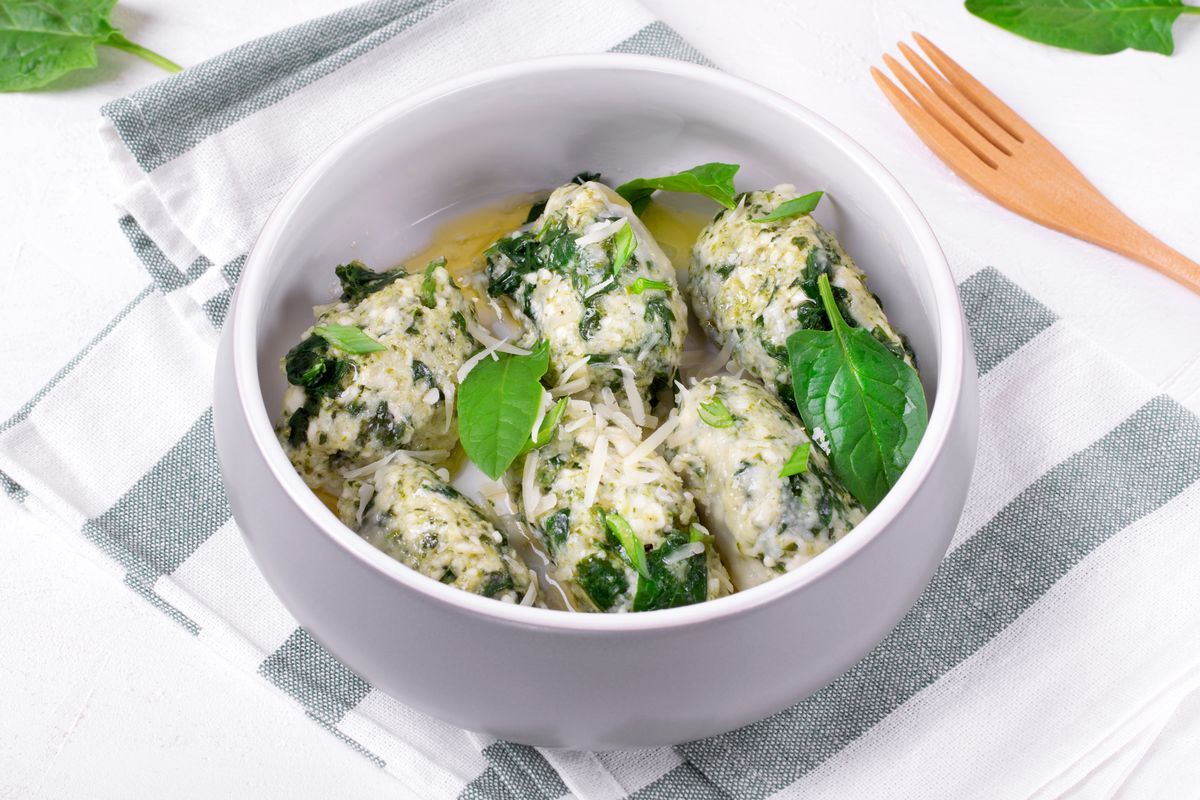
x: 104, y: 697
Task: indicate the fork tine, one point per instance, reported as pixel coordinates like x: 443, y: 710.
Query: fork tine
x: 943, y: 144
x: 979, y: 94
x: 980, y: 121
x: 939, y: 110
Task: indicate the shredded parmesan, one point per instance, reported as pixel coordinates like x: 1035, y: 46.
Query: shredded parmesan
x: 530, y: 498
x: 429, y: 456
x: 543, y: 407
x: 651, y: 442
x: 595, y: 470
x: 431, y: 397
x: 718, y: 362
x: 530, y: 593
x: 448, y: 393
x: 576, y: 424
x: 485, y: 338
x: 563, y: 389
x: 470, y: 363
x: 575, y: 366
x: 365, y: 493
x: 599, y: 231
x: 637, y: 409
x: 598, y: 288
x: 679, y: 554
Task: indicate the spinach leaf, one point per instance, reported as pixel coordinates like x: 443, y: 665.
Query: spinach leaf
x: 797, y: 462
x: 642, y: 284
x: 657, y: 308
x: 358, y: 280
x: 496, y: 583
x: 421, y: 372
x: 348, y: 338
x: 623, y: 244
x: 868, y: 401
x: 556, y: 528
x: 715, y: 413
x: 805, y: 204
x: 310, y: 365
x: 630, y: 542
x: 42, y: 41
x: 497, y: 405
x: 714, y: 180
x: 601, y: 580
x: 1090, y: 26
x: 429, y: 284
x: 535, y: 211
x: 680, y: 583
x: 586, y: 177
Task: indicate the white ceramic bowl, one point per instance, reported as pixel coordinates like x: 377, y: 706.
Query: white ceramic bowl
x: 544, y: 677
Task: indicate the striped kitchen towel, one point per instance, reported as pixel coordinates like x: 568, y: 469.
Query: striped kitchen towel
x: 1057, y: 642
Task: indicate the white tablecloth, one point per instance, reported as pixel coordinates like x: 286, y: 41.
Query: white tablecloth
x: 107, y: 698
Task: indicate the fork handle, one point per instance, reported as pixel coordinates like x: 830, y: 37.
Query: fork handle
x: 1123, y: 235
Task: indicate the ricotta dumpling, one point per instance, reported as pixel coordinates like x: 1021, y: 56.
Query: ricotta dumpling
x: 752, y: 284
x: 344, y: 410
x: 594, y: 487
x: 409, y: 511
x: 588, y: 277
x: 764, y: 524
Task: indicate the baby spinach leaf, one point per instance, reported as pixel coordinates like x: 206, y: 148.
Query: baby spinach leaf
x: 670, y: 585
x: 1090, y: 26
x: 497, y: 405
x: 359, y: 281
x: 630, y: 542
x: 556, y: 528
x: 715, y: 413
x: 642, y: 284
x: 866, y: 400
x: 797, y: 462
x: 42, y: 41
x: 348, y: 339
x: 623, y: 244
x: 601, y: 580
x: 805, y: 204
x: 429, y: 284
x: 714, y: 180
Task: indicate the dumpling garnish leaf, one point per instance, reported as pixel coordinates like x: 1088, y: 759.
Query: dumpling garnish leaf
x: 805, y: 204
x: 715, y: 413
x: 714, y: 180
x: 644, y: 284
x: 498, y: 403
x: 624, y: 243
x: 860, y: 397
x: 629, y: 542
x: 677, y: 575
x: 797, y: 462
x: 348, y: 338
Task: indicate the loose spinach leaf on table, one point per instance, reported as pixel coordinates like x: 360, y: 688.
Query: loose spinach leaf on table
x: 42, y: 40
x: 1090, y: 26
x: 865, y: 398
x: 714, y: 180
x: 497, y: 405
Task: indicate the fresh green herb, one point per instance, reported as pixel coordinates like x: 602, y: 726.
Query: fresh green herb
x: 713, y: 180
x: 448, y: 576
x: 797, y: 462
x: 601, y: 580
x: 383, y: 428
x: 629, y: 542
x: 429, y: 284
x: 42, y: 41
x: 670, y: 585
x: 497, y: 405
x: 459, y: 321
x: 623, y: 244
x: 310, y: 365
x: 868, y: 401
x: 496, y: 583
x: 1090, y: 26
x: 697, y: 534
x: 421, y: 372
x: 348, y: 339
x: 715, y: 413
x: 358, y: 280
x: 642, y: 284
x: 549, y: 423
x: 794, y: 207
x: 657, y: 308
x: 556, y: 528
x: 535, y: 211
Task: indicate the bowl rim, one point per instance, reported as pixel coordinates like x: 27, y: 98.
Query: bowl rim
x: 253, y: 288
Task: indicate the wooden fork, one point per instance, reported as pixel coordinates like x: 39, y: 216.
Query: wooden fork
x: 1001, y: 155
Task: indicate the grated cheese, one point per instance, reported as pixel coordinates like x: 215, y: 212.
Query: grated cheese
x: 637, y: 409
x: 469, y: 364
x: 651, y: 443
x: 575, y: 366
x: 598, y: 288
x: 485, y: 337
x: 599, y: 231
x: 563, y: 389
x: 679, y: 554
x: 428, y: 456
x: 431, y: 397
x: 530, y: 498
x: 595, y: 470
x: 365, y: 493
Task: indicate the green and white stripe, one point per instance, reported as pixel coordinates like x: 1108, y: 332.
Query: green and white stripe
x: 1086, y: 476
